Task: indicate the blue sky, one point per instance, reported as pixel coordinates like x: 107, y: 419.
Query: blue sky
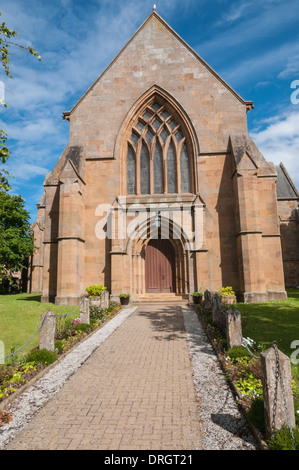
x: 253, y: 45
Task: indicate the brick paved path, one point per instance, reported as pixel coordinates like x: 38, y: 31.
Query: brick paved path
x: 136, y: 391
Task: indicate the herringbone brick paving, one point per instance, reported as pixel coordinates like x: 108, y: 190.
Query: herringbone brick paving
x: 136, y: 391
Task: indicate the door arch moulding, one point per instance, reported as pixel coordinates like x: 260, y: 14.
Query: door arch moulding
x: 137, y: 245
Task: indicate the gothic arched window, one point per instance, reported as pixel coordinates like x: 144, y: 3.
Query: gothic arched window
x: 158, y: 160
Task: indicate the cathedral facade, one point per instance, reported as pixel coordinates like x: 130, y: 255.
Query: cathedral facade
x: 160, y: 191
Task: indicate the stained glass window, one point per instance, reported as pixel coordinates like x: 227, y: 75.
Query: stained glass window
x: 179, y: 135
x: 171, y: 169
x: 164, y: 135
x: 131, y: 172
x: 185, y: 177
x: 151, y: 144
x: 140, y: 125
x: 147, y: 115
x: 156, y: 106
x: 144, y: 170
x: 134, y: 138
x: 149, y: 137
x: 173, y: 124
x: 156, y: 124
x: 158, y: 169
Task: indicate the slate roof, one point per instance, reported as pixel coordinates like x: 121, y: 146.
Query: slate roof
x: 285, y: 186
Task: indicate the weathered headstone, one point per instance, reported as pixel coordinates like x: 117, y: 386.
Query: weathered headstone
x: 84, y: 311
x: 104, y: 301
x: 207, y: 299
x: 47, y: 331
x: 233, y: 328
x: 277, y: 390
x: 217, y: 312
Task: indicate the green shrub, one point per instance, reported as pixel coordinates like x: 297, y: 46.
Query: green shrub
x: 84, y: 327
x: 249, y: 386
x: 58, y: 345
x: 95, y: 290
x: 197, y: 294
x: 43, y: 356
x: 65, y: 328
x: 226, y: 292
x: 6, y: 372
x: 256, y: 414
x: 282, y: 439
x: 97, y: 314
x: 237, y: 352
x: 113, y: 305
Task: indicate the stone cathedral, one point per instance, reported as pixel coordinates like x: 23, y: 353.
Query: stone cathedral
x: 160, y: 191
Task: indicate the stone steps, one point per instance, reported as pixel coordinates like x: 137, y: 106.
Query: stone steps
x: 167, y: 299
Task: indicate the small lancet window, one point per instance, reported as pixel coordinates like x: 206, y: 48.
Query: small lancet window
x: 185, y: 178
x: 158, y: 170
x: 131, y: 172
x: 144, y: 170
x: 171, y: 169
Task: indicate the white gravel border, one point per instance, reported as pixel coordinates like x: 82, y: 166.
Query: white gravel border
x: 26, y: 405
x: 221, y: 421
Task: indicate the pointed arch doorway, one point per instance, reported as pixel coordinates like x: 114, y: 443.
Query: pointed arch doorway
x: 159, y: 267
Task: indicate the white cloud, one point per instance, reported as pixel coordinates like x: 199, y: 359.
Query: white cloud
x: 279, y: 142
x: 28, y: 171
x: 292, y: 68
x: 235, y: 12
x: 261, y: 66
x: 34, y: 130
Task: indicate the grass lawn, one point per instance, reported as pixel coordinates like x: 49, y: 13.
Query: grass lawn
x: 273, y: 321
x: 278, y: 320
x: 20, y: 317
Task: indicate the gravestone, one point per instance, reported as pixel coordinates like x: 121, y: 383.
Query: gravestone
x: 217, y: 312
x: 104, y: 300
x: 47, y: 331
x: 233, y: 328
x: 207, y: 299
x: 277, y: 390
x: 84, y: 311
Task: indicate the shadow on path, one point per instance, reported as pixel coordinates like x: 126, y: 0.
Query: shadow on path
x: 165, y: 319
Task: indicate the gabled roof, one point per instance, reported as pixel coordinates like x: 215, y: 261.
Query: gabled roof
x: 154, y: 14
x: 285, y: 187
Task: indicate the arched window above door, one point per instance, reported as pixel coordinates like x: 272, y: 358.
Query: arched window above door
x: 158, y: 157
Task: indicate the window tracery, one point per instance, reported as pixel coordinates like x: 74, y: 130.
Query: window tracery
x: 158, y: 160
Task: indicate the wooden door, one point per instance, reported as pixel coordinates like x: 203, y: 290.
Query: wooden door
x: 159, y: 267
